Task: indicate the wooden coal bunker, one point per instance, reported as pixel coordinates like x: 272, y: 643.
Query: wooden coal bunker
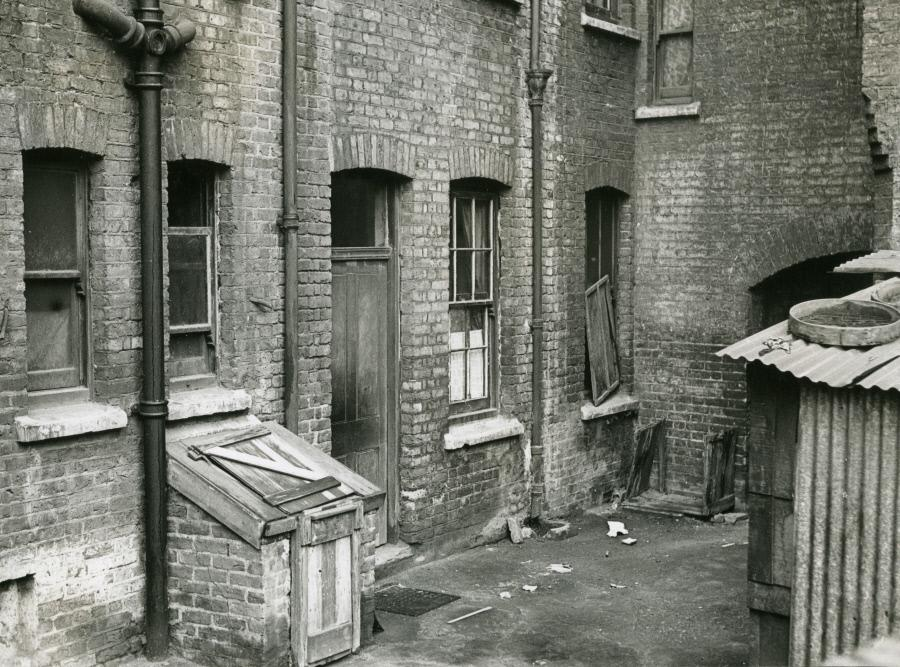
x: 266, y: 568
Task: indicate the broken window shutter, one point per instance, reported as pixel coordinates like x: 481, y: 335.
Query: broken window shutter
x: 604, y: 361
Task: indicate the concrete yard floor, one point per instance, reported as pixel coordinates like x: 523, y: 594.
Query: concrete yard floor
x: 683, y: 601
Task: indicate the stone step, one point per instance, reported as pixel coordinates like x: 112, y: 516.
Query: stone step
x: 392, y: 558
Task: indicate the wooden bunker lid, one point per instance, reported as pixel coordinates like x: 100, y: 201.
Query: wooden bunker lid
x: 255, y: 478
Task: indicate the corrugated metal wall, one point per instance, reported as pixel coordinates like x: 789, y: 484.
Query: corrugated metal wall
x: 846, y: 586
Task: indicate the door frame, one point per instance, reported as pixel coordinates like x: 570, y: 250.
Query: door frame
x: 392, y: 339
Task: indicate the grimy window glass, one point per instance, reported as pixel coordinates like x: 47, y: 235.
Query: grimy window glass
x: 674, y: 50
x: 55, y: 200
x: 191, y: 254
x: 601, y: 247
x: 359, y: 210
x: 472, y: 271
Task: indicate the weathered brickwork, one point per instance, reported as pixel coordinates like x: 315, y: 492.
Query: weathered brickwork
x: 775, y: 170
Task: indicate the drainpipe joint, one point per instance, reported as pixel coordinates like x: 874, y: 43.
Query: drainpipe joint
x: 537, y: 84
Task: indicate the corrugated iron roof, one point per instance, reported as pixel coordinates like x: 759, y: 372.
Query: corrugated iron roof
x: 880, y: 261
x: 873, y: 367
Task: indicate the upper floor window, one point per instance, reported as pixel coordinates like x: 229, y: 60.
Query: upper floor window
x: 600, y: 251
x: 674, y: 35
x: 192, y: 272
x: 473, y: 270
x: 604, y: 9
x: 56, y: 313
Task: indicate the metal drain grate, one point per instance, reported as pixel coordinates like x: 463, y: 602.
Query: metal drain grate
x: 398, y: 599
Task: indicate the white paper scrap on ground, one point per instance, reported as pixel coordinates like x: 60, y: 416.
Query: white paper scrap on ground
x: 529, y: 588
x: 616, y: 586
x: 506, y: 595
x: 559, y: 568
x: 629, y: 541
x: 616, y: 528
x: 470, y: 614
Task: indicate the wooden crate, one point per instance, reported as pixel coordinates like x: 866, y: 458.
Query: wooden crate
x: 325, y: 575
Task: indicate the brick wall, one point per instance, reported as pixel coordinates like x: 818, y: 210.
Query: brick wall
x: 775, y: 170
x: 72, y: 507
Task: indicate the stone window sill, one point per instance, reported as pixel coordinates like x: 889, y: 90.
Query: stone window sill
x: 657, y: 112
x: 617, y: 405
x: 205, y: 402
x: 469, y: 434
x: 67, y: 420
x: 593, y: 23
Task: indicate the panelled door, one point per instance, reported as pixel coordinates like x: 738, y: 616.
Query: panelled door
x: 364, y: 333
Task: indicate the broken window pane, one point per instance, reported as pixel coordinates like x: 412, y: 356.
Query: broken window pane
x: 469, y: 354
x: 190, y: 354
x: 53, y: 341
x: 188, y: 279
x: 51, y: 230
x: 189, y: 194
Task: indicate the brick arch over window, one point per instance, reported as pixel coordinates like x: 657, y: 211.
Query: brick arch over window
x: 196, y: 139
x: 56, y: 125
x: 604, y: 174
x: 481, y: 162
x: 372, y: 151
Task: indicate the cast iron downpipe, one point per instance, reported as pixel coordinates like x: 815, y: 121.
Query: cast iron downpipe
x: 537, y: 83
x: 289, y: 220
x: 152, y: 40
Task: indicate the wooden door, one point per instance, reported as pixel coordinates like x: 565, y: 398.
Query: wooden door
x: 360, y: 366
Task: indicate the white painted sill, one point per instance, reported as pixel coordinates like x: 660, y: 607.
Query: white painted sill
x: 661, y: 111
x: 469, y: 434
x: 205, y: 402
x: 593, y: 23
x: 66, y: 420
x: 616, y: 405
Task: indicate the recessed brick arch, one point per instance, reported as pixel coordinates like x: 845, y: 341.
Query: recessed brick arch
x: 198, y: 139
x: 603, y: 174
x: 481, y: 162
x: 372, y: 151
x: 781, y: 246
x: 57, y: 125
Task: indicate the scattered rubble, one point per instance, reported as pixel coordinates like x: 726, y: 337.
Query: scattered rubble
x: 559, y: 568
x: 529, y: 588
x: 616, y: 528
x: 730, y: 518
x: 629, y: 541
x: 506, y: 595
x: 560, y: 532
x: 515, y: 530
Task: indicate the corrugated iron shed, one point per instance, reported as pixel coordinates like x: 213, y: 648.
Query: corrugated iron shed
x: 876, y: 367
x: 880, y: 261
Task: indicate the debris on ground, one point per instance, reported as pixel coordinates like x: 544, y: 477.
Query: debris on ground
x: 629, y: 541
x: 515, y: 530
x: 606, y: 555
x: 470, y: 614
x: 529, y: 588
x: 729, y: 544
x: 560, y: 532
x: 506, y: 595
x: 617, y: 586
x: 559, y: 568
x: 527, y: 533
x: 616, y: 528
x: 730, y: 518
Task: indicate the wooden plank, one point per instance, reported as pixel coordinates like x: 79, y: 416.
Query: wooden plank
x: 315, y: 459
x: 228, y: 437
x: 718, y: 468
x: 328, y: 585
x: 288, y: 495
x: 600, y: 329
x: 299, y: 595
x: 226, y: 509
x: 314, y: 583
x: 759, y: 553
x: 331, y: 643
x: 343, y: 579
x: 339, y: 372
x: 787, y: 409
x: 769, y: 598
x: 253, y: 461
x: 332, y: 528
x: 316, y: 499
x: 356, y: 582
x: 646, y: 445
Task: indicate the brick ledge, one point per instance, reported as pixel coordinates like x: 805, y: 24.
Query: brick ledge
x: 63, y: 421
x: 617, y: 405
x: 205, y: 402
x: 478, y: 432
x: 594, y: 23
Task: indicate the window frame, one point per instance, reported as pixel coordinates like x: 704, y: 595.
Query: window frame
x: 608, y: 10
x: 210, y: 176
x: 78, y: 278
x: 474, y: 407
x: 672, y: 94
